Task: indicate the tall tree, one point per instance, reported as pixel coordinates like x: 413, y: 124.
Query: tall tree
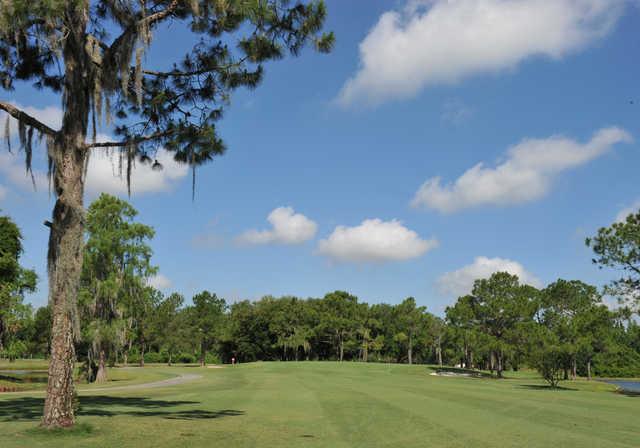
x: 411, y: 322
x: 15, y: 281
x: 116, y: 266
x: 618, y: 247
x: 167, y: 329
x: 566, y: 305
x: 339, y: 319
x: 207, y: 315
x: 499, y: 304
x: 91, y: 53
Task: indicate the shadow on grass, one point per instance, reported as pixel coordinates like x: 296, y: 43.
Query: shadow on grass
x: 30, y: 409
x: 628, y: 393
x: 545, y: 387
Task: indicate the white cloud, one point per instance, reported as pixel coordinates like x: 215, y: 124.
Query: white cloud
x: 13, y: 171
x: 431, y: 42
x: 460, y: 282
x: 374, y: 240
x: 159, y: 281
x: 288, y: 227
x: 103, y: 174
x: 633, y: 208
x: 526, y: 175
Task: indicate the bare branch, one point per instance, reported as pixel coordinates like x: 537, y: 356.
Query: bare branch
x: 27, y: 119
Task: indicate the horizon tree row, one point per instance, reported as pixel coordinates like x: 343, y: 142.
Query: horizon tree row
x: 564, y: 330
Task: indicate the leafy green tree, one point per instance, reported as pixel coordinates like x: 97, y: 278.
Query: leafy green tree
x: 565, y: 306
x: 464, y: 327
x: 499, y: 304
x: 411, y: 324
x: 206, y: 318
x: 618, y: 247
x: 15, y: 282
x: 116, y: 266
x: 339, y: 319
x: 91, y: 53
x: 42, y: 331
x: 168, y: 329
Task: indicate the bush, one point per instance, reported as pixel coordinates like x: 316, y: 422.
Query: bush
x: 550, y: 362
x: 185, y: 358
x: 154, y: 357
x: 212, y: 358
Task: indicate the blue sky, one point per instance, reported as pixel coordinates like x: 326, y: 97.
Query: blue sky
x: 540, y: 94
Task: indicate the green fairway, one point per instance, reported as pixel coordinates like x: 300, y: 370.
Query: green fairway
x: 333, y: 405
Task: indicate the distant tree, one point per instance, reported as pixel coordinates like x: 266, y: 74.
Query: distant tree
x: 92, y: 54
x: 339, y: 319
x: 499, y: 304
x: 206, y: 319
x: 462, y: 322
x: 411, y: 323
x: 42, y: 331
x: 15, y: 282
x: 168, y: 328
x: 618, y: 247
x: 116, y: 266
x: 566, y: 310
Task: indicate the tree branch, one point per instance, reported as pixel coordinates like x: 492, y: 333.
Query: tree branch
x: 160, y: 15
x: 27, y: 119
x: 144, y: 138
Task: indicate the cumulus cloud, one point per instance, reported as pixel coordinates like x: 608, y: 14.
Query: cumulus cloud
x: 431, y: 42
x: 103, y: 175
x: 288, y: 227
x: 159, y: 281
x: 374, y: 240
x: 633, y: 208
x: 526, y: 174
x: 460, y: 282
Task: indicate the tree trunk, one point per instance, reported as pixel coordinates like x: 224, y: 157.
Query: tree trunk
x: 499, y: 367
x: 125, y: 357
x: 589, y: 370
x: 169, y: 358
x: 202, y: 354
x: 410, y: 351
x: 65, y: 264
x: 101, y: 376
x: 64, y: 258
x: 574, y: 368
x: 341, y: 349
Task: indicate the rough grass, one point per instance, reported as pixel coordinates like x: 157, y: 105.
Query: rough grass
x: 321, y: 404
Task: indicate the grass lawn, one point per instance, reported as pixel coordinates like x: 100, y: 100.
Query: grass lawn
x: 323, y: 404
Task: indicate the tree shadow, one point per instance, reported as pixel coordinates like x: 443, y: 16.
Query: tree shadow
x: 545, y: 387
x: 628, y: 393
x: 29, y: 408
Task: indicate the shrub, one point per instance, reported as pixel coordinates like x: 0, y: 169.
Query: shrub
x: 550, y: 362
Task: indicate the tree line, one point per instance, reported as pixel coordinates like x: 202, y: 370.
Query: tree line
x: 564, y: 330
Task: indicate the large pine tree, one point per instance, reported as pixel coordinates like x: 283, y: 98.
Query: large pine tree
x: 92, y: 54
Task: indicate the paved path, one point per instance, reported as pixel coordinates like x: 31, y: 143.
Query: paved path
x: 180, y: 379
